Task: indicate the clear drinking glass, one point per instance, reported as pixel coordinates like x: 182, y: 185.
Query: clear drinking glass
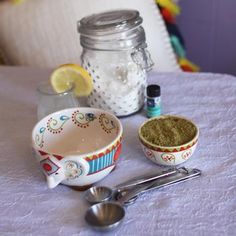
x: 49, y: 101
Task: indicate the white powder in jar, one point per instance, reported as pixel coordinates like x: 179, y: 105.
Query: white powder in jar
x: 119, y: 83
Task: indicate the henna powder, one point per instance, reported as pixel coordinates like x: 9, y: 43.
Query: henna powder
x: 168, y: 131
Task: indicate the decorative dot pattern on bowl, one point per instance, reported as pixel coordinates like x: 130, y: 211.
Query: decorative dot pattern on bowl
x: 77, y: 146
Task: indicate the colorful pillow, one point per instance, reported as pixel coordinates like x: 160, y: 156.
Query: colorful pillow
x: 169, y: 10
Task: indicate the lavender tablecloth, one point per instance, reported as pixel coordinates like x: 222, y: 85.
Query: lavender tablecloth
x: 204, y: 206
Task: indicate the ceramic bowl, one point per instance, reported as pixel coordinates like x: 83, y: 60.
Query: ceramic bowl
x: 77, y: 146
x: 171, y: 155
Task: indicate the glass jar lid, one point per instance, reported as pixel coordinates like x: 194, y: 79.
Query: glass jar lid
x: 112, y: 31
x: 110, y: 22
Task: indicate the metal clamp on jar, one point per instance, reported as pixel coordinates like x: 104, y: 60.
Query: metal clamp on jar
x: 115, y: 54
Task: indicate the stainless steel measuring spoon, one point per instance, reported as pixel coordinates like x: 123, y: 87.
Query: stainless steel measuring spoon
x: 98, y: 194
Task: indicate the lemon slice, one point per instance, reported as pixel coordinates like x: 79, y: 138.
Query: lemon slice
x: 67, y: 74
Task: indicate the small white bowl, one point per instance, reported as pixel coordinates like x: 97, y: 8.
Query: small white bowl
x: 172, y: 155
x: 77, y: 146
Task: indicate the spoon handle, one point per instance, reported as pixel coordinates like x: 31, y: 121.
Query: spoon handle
x: 182, y: 175
x: 146, y: 178
x: 134, y: 191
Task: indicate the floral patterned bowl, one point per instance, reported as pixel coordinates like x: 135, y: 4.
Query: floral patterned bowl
x: 77, y: 146
x: 172, y: 155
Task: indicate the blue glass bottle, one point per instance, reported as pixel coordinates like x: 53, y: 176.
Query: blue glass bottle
x: 153, y: 100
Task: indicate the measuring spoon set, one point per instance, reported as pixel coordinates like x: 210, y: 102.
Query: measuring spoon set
x: 107, y: 210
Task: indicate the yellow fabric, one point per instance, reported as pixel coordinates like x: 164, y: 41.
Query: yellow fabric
x: 171, y: 6
x: 184, y: 61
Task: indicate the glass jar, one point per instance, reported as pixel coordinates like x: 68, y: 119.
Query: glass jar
x: 115, y: 54
x: 50, y: 101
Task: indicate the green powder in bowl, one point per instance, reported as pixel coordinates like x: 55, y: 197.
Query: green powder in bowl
x: 168, y: 131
